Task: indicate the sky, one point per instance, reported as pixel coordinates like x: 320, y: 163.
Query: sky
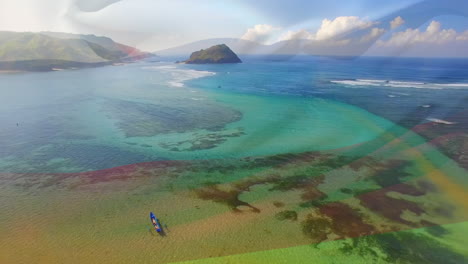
x: 380, y: 26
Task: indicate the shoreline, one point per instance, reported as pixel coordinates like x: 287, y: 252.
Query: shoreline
x: 50, y: 65
x: 11, y: 71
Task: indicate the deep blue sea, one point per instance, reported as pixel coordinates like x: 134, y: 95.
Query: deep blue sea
x: 391, y: 87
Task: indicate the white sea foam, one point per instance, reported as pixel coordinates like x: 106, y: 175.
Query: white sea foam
x: 441, y: 121
x: 458, y: 85
x: 403, y: 94
x: 176, y: 84
x: 166, y: 67
x: 178, y: 75
x: 401, y: 84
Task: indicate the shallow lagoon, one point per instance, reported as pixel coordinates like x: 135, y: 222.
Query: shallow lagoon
x: 261, y: 176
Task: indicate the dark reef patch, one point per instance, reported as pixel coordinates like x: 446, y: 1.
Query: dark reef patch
x: 292, y: 183
x: 391, y: 172
x: 310, y: 176
x: 145, y: 120
x: 316, y: 228
x: 338, y: 219
x: 338, y: 162
x: 446, y: 210
x: 211, y: 183
x: 231, y: 192
x: 201, y: 142
x: 452, y: 140
x: 229, y: 198
x: 279, y: 160
x: 407, y: 189
x: 364, y: 162
x: 346, y: 191
x: 427, y: 186
x: 278, y: 204
x: 293, y: 172
x: 287, y: 215
x: 307, y: 184
x: 346, y: 221
x: 314, y: 203
x: 391, y: 208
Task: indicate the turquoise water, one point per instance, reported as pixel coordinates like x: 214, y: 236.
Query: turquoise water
x: 92, y: 119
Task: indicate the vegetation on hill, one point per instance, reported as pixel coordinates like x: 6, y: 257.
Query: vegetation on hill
x: 43, y: 51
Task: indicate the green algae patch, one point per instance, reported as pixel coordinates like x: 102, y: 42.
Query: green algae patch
x: 405, y: 247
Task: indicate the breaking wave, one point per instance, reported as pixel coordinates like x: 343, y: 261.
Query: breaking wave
x: 401, y: 84
x: 180, y: 76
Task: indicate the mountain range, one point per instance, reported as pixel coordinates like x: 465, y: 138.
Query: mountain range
x: 239, y: 46
x: 44, y: 51
x: 287, y: 47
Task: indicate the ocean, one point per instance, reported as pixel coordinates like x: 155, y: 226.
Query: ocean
x: 250, y: 161
x: 92, y: 119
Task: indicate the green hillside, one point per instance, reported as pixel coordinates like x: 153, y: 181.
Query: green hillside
x: 36, y: 51
x: 33, y: 46
x: 118, y: 49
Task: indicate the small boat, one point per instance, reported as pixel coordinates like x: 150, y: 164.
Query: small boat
x: 155, y: 222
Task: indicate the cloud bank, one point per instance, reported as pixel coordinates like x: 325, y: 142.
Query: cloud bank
x: 260, y: 33
x: 330, y: 28
x: 434, y: 34
x: 351, y: 35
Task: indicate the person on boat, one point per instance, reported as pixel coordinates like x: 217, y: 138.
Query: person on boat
x: 156, y: 224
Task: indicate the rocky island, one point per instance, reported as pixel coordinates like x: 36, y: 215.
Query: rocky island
x: 214, y: 55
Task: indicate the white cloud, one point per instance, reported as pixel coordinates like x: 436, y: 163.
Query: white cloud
x: 332, y: 28
x: 373, y: 34
x: 340, y: 25
x: 433, y: 27
x: 433, y: 34
x: 260, y: 33
x: 398, y: 21
x: 300, y: 34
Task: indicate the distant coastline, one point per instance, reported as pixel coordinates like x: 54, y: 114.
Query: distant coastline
x: 53, y: 65
x: 45, y: 65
